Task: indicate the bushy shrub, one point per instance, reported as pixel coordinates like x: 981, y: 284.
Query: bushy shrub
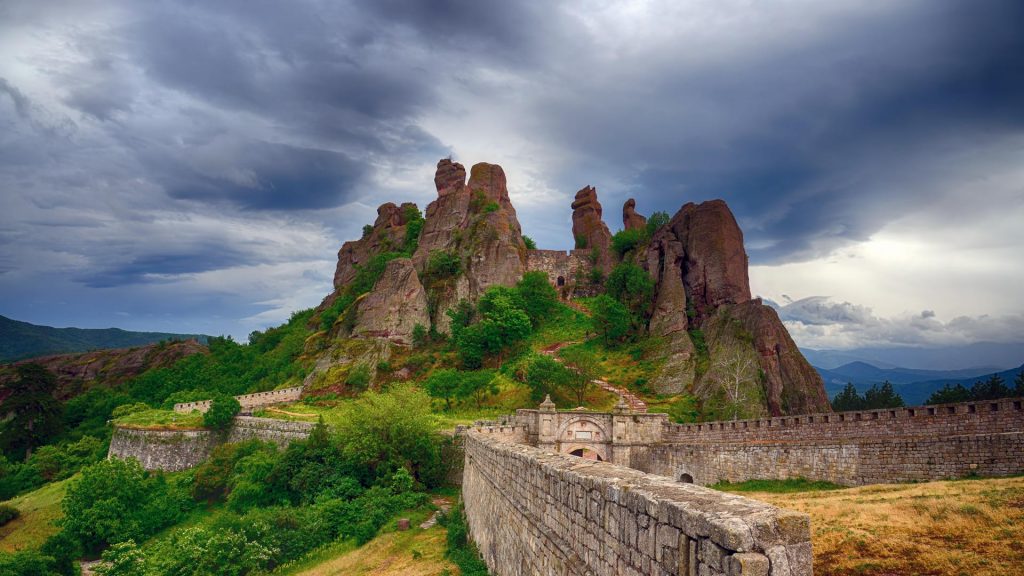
x: 539, y: 298
x: 116, y: 500
x: 8, y: 513
x: 359, y: 377
x: 610, y: 319
x: 625, y: 240
x: 530, y: 244
x: 441, y: 266
x: 222, y: 412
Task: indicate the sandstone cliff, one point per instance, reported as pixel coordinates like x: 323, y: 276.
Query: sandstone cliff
x: 78, y: 373
x: 588, y: 229
x: 630, y: 219
x: 711, y: 329
x: 476, y: 224
x: 395, y: 306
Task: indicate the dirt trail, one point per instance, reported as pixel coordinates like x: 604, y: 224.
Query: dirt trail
x: 635, y: 404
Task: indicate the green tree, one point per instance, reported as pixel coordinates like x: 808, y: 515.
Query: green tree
x: 634, y: 287
x: 991, y: 389
x: 443, y: 384
x: 611, y: 319
x: 503, y: 323
x: 33, y: 415
x: 539, y: 297
x: 583, y: 369
x: 419, y: 335
x: 477, y: 385
x: 949, y: 394
x: 383, y: 431
x: 115, y: 501
x: 625, y: 240
x: 848, y: 399
x: 122, y: 559
x: 1018, y: 384
x: 882, y: 396
x: 544, y: 376
x: 656, y: 221
x: 530, y: 244
x: 222, y: 412
x: 359, y: 377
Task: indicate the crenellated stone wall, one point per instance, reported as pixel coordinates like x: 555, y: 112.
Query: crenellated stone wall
x: 173, y: 450
x: 247, y: 401
x: 533, y: 512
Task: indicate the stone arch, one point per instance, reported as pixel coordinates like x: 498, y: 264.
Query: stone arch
x: 596, y: 452
x: 570, y: 430
x: 586, y: 453
x: 561, y: 281
x: 686, y: 478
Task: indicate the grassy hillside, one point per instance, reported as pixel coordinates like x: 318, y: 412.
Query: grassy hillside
x: 948, y: 528
x: 39, y: 510
x: 20, y: 340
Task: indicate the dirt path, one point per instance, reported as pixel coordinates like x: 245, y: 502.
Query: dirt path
x: 635, y: 403
x: 299, y: 414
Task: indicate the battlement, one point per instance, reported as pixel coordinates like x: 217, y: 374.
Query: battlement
x: 247, y: 401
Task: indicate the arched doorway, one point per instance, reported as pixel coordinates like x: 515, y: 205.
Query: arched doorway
x: 586, y: 453
x: 686, y: 478
x: 561, y: 281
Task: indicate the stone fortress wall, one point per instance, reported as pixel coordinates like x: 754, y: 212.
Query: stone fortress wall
x: 568, y: 272
x: 173, y: 450
x: 534, y: 512
x: 249, y: 402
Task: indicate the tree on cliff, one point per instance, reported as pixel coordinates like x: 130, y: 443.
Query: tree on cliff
x: 584, y: 369
x: 223, y: 409
x: 35, y: 416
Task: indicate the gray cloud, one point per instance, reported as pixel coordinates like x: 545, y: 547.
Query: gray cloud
x: 149, y: 147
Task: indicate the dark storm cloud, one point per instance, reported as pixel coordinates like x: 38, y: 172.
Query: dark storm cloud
x: 261, y: 176
x: 161, y: 268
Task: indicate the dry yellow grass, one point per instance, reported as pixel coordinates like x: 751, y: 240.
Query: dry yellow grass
x: 412, y: 553
x: 967, y: 527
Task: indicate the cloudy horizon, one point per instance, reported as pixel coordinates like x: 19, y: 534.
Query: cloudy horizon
x: 194, y: 168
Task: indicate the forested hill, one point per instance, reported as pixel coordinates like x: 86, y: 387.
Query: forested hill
x: 20, y: 340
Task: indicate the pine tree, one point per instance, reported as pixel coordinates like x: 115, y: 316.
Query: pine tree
x: 848, y: 399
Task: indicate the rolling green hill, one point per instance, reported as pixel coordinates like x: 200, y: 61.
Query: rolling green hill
x: 19, y: 340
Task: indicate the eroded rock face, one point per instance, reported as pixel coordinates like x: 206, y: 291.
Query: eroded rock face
x: 700, y: 269
x: 791, y: 384
x: 395, y: 305
x: 630, y: 219
x: 388, y: 234
x: 588, y: 229
x: 476, y: 222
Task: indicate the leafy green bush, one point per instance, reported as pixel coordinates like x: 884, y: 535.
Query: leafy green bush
x: 413, y: 226
x: 116, y: 500
x: 461, y: 549
x: 633, y: 286
x: 656, y: 221
x: 625, y: 240
x: 8, y: 513
x: 419, y: 335
x: 359, y: 377
x: 367, y: 230
x: 544, y: 376
x: 530, y: 244
x: 611, y: 319
x: 539, y: 298
x: 122, y: 559
x: 441, y: 266
x: 222, y: 412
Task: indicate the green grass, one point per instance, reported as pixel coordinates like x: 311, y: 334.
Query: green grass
x: 777, y: 486
x: 565, y: 324
x: 162, y: 419
x: 39, y: 510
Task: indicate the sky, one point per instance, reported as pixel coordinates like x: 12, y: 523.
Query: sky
x: 194, y: 166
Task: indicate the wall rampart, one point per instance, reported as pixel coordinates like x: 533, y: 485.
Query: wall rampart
x: 173, y: 450
x: 533, y: 512
x: 247, y: 401
x: 995, y: 416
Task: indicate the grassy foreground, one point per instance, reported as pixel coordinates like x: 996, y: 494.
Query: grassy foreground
x: 39, y: 509
x: 952, y: 528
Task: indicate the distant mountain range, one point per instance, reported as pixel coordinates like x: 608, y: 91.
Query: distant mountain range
x: 986, y: 356
x: 19, y: 340
x: 914, y: 385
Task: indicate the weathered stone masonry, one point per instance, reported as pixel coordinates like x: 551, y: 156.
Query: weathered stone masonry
x: 173, y: 450
x: 533, y: 512
x: 247, y: 401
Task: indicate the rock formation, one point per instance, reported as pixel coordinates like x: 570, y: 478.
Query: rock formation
x: 477, y: 223
x: 630, y: 219
x: 388, y: 234
x: 700, y: 269
x: 588, y: 229
x: 395, y: 306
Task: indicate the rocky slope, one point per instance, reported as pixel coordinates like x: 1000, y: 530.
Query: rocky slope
x: 77, y: 373
x: 714, y: 341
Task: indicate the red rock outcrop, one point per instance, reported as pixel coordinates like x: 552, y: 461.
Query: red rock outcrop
x: 700, y: 269
x: 388, y: 234
x: 476, y: 222
x: 588, y: 229
x: 78, y: 373
x: 630, y: 219
x: 395, y: 306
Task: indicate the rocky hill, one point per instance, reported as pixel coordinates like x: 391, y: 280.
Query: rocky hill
x: 77, y: 373
x: 709, y: 337
x: 19, y: 340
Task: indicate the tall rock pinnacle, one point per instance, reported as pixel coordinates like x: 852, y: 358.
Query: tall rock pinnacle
x: 630, y: 219
x: 588, y: 229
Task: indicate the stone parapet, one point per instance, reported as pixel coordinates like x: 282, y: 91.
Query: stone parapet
x: 247, y: 401
x: 533, y: 512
